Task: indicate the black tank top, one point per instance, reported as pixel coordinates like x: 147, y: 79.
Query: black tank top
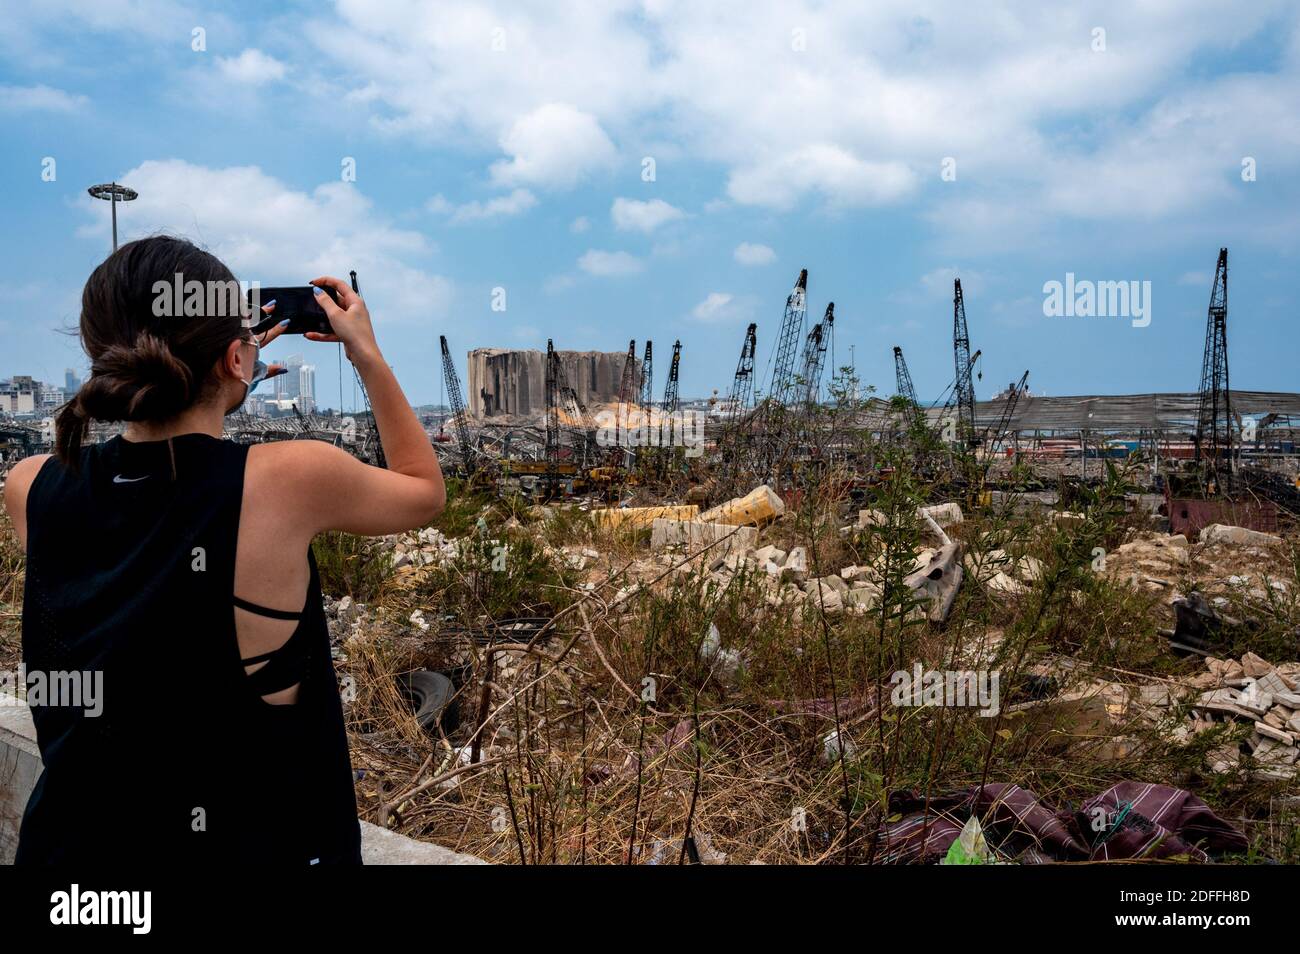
x: 130, y: 574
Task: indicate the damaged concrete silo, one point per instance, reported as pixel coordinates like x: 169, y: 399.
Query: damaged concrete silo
x: 506, y: 382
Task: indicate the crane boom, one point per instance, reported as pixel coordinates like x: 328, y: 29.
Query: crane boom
x: 965, y: 391
x: 1214, y: 412
x: 452, y: 381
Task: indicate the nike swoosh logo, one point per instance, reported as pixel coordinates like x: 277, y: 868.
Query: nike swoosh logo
x: 119, y: 479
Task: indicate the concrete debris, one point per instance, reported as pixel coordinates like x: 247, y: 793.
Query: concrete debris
x: 760, y: 506
x: 1255, y: 692
x: 945, y: 515
x: 1066, y: 518
x: 727, y: 665
x: 937, y: 582
x: 1222, y: 533
x: 795, y: 567
x: 666, y: 532
x: 611, y: 518
x: 833, y: 749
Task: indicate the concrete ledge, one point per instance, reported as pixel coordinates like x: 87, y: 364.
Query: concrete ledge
x: 20, y: 766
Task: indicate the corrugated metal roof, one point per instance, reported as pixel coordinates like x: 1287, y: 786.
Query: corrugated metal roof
x: 1164, y: 412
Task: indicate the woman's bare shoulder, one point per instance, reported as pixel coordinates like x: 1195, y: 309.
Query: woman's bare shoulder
x: 18, y: 481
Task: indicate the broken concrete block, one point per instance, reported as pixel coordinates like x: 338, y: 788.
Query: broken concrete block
x: 1272, y: 683
x: 1255, y: 666
x: 1274, y: 752
x: 610, y: 518
x: 769, y: 552
x: 727, y: 664
x: 1001, y: 583
x: 1268, y: 732
x: 1029, y: 568
x: 945, y: 514
x: 938, y: 581
x: 863, y: 597
x: 851, y: 573
x: 872, y: 518
x: 1254, y: 698
x: 756, y: 508
x: 666, y: 532
x: 1223, y: 533
x: 1223, y: 759
x: 796, y: 565
x: 828, y: 598
x: 1223, y: 701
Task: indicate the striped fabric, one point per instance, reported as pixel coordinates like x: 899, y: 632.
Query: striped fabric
x: 1127, y: 821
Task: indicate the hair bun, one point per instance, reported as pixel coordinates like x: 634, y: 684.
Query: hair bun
x: 146, y: 382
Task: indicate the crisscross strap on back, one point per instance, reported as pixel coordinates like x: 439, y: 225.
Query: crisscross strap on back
x: 286, y: 665
x: 265, y: 611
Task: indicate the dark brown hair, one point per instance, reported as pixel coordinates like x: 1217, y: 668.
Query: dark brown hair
x: 147, y: 366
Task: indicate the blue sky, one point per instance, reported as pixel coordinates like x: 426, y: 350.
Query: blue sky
x: 503, y: 146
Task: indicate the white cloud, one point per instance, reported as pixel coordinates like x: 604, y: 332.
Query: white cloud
x: 751, y: 253
x: 276, y: 235
x: 554, y: 146
x: 862, y: 118
x: 502, y: 206
x: 252, y: 67
x: 579, y: 225
x: 43, y: 99
x: 722, y: 306
x: 597, y: 262
x: 635, y: 215
x: 837, y: 174
x: 936, y: 285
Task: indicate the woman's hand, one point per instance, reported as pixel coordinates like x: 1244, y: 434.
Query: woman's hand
x: 350, y: 320
x: 266, y: 337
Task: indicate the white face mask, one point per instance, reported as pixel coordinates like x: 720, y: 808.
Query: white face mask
x: 257, y: 377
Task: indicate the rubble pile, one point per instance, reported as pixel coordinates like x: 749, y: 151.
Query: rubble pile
x: 1253, y: 692
x: 1223, y: 560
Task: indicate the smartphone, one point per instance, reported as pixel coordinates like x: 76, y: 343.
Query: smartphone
x: 298, y: 304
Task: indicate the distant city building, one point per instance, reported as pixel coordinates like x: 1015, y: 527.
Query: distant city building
x: 307, y: 388
x: 23, y: 395
x: 287, y: 384
x: 18, y: 395
x: 71, y: 383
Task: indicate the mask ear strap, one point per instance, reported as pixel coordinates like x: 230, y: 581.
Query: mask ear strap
x: 171, y: 452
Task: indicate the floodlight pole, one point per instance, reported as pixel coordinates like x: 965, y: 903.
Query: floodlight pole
x: 114, y: 193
